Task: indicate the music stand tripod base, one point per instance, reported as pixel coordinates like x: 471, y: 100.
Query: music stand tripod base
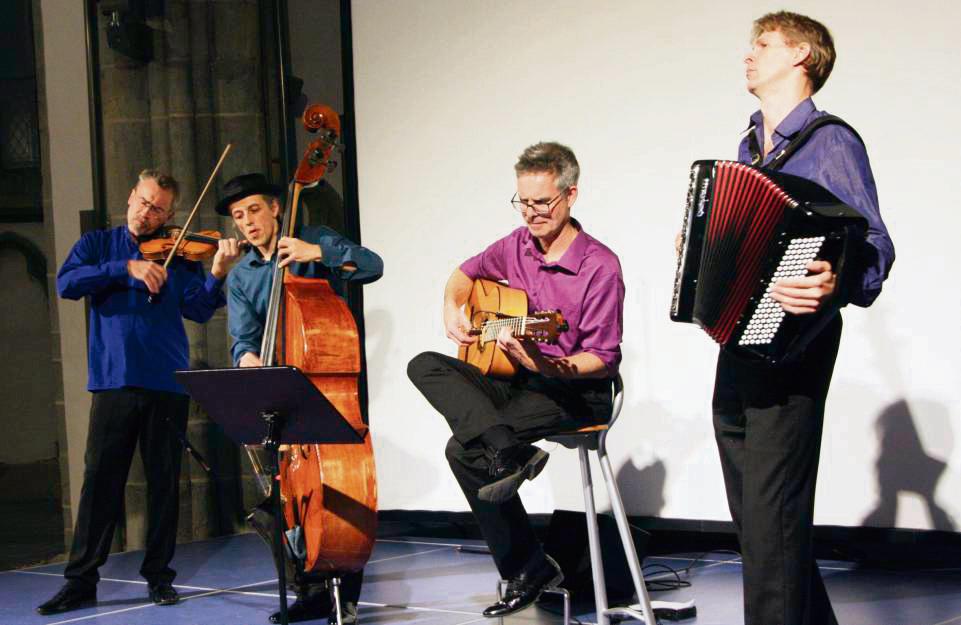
x: 269, y: 406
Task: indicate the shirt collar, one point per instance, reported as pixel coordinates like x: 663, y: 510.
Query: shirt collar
x: 573, y: 256
x: 794, y: 123
x: 253, y: 258
x: 796, y: 119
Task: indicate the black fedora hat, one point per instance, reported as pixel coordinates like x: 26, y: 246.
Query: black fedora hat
x: 241, y: 186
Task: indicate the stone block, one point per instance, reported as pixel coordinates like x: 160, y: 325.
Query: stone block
x: 247, y: 134
x: 179, y: 87
x: 123, y: 93
x: 178, y: 30
x: 127, y: 147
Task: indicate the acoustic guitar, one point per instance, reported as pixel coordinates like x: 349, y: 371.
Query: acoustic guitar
x: 493, y: 306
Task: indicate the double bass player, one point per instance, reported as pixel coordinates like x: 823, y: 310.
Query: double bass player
x: 252, y: 202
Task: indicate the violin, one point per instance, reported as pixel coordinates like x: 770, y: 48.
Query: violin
x: 193, y: 246
x: 175, y: 246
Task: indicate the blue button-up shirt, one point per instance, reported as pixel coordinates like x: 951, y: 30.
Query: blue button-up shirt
x: 134, y: 342
x: 248, y: 285
x: 835, y: 159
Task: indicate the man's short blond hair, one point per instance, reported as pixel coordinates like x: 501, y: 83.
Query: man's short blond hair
x: 164, y: 180
x: 797, y: 29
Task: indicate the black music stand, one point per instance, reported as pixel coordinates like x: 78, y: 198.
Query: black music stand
x: 248, y: 401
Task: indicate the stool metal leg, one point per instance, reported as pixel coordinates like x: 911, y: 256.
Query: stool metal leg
x: 335, y: 584
x: 593, y: 537
x: 626, y: 539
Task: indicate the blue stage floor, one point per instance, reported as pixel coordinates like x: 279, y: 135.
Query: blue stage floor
x: 230, y: 581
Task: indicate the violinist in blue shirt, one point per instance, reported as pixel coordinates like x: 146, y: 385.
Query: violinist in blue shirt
x: 135, y: 344
x: 319, y: 252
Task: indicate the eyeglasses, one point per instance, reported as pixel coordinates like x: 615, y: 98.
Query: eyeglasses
x: 152, y: 208
x: 540, y: 207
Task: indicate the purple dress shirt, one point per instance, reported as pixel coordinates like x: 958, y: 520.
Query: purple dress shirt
x: 835, y: 159
x: 585, y: 284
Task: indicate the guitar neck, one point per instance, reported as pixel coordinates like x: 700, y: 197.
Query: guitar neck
x: 518, y: 326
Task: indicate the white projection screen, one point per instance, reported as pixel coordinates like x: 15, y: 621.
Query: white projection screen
x: 448, y: 93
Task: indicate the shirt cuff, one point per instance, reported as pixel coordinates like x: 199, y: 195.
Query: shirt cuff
x: 213, y: 284
x: 332, y: 257
x: 117, y: 269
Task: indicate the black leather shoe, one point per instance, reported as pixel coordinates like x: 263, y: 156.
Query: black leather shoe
x: 164, y: 594
x: 315, y: 608
x: 526, y: 587
x: 509, y: 468
x: 70, y: 597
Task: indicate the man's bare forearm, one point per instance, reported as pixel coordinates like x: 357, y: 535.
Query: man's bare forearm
x: 581, y: 365
x: 457, y: 290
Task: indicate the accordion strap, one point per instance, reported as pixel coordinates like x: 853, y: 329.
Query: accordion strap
x: 797, y: 141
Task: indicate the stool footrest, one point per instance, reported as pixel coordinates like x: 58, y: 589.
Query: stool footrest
x: 634, y: 612
x: 667, y: 610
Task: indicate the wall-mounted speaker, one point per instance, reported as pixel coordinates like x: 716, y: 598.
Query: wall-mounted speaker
x: 127, y: 29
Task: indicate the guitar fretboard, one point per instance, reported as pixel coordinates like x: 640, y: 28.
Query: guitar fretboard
x: 517, y: 325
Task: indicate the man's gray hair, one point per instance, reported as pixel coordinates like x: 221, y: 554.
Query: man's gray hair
x: 548, y: 156
x: 164, y: 180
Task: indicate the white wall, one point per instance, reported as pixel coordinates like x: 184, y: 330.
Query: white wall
x: 448, y: 93
x: 65, y: 88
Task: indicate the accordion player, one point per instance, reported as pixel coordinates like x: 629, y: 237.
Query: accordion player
x: 744, y: 229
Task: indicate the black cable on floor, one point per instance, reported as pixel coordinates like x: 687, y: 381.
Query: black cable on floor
x: 677, y: 582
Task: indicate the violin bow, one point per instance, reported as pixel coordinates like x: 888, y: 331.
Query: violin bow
x: 173, y: 252
x: 183, y: 231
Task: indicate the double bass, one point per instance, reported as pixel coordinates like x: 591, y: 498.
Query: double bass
x: 329, y: 491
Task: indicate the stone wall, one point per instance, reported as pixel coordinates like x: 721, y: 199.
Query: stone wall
x: 203, y: 89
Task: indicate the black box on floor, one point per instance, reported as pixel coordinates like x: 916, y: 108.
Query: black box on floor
x: 566, y: 542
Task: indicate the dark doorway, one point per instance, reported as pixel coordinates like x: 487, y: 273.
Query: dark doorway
x: 32, y: 528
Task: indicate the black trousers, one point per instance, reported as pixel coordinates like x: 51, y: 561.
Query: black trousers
x: 308, y: 586
x: 119, y: 419
x: 532, y: 406
x: 768, y: 424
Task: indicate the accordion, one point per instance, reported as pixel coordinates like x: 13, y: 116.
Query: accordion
x: 744, y: 229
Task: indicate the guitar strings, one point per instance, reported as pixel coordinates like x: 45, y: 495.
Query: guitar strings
x: 490, y: 329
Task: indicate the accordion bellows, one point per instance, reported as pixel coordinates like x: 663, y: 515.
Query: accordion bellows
x: 745, y: 228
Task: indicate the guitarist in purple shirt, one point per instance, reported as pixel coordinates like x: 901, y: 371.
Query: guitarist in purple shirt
x: 558, y: 387
x: 768, y: 420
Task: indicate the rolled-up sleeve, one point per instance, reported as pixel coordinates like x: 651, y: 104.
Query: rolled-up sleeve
x: 602, y: 319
